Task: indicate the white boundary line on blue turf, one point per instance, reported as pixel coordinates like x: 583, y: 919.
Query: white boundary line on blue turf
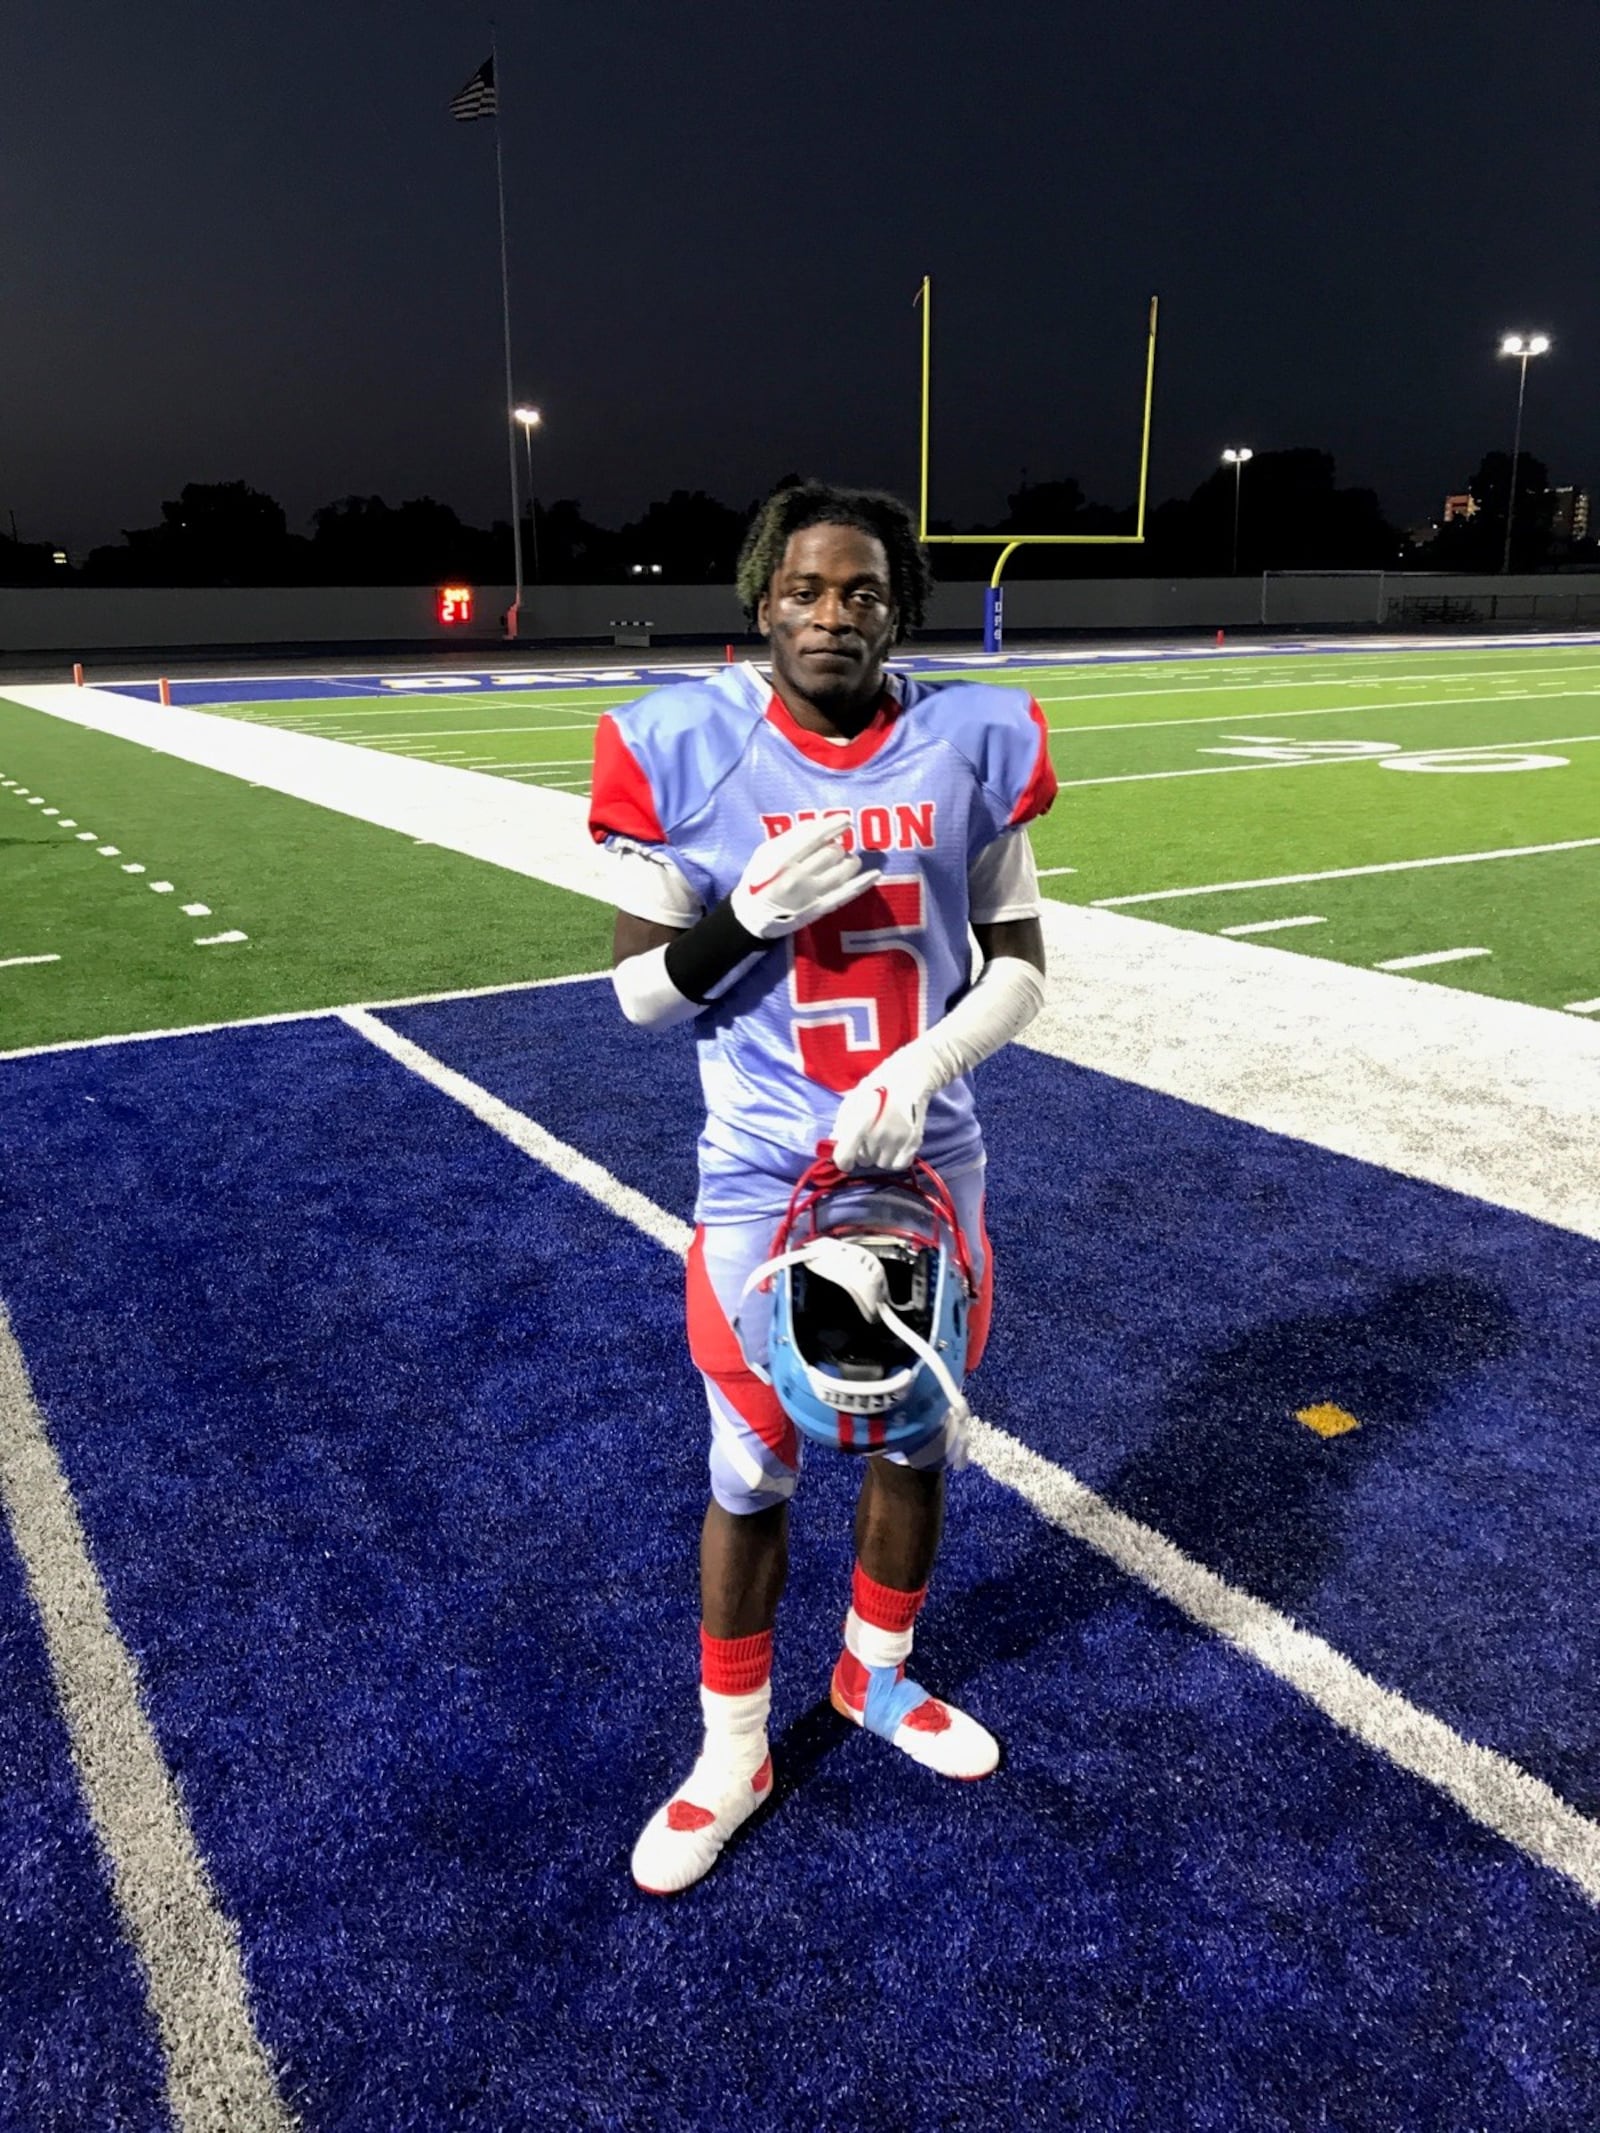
x: 219, y: 2078
x: 1493, y: 1790
x: 297, y: 1014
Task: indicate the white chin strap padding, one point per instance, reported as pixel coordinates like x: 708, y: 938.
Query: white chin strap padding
x: 850, y: 1267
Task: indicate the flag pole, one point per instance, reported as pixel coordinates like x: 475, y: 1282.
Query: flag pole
x: 505, y: 321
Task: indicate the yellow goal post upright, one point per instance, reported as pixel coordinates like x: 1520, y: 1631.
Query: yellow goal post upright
x: 1008, y: 544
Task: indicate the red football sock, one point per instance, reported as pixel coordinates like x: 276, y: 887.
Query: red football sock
x: 735, y: 1666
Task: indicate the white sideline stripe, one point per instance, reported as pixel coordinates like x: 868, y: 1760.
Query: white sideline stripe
x: 1268, y: 925
x: 1478, y: 1095
x: 527, y: 829
x: 15, y: 962
x: 1582, y: 1007
x: 219, y: 2078
x: 522, y: 1132
x: 1387, y: 866
x: 1492, y: 1789
x: 1434, y: 955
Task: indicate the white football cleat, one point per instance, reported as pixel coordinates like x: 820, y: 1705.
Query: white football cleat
x: 682, y: 1840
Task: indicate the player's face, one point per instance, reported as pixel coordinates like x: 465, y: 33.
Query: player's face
x: 830, y: 622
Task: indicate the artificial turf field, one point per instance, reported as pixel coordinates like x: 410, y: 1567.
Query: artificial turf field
x: 1180, y: 775
x: 352, y: 1465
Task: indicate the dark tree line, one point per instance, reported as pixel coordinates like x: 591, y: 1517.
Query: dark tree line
x: 1293, y: 515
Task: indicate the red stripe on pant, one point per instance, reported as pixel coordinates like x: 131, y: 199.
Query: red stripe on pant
x: 983, y: 1303
x: 714, y: 1348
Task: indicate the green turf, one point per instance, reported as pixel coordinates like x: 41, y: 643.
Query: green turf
x: 1148, y: 805
x: 334, y: 909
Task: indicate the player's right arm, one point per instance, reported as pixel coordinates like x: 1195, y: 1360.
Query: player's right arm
x: 665, y: 974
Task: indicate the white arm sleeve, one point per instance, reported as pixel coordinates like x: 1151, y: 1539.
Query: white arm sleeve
x: 1003, y: 881
x: 647, y: 996
x: 646, y: 883
x: 1007, y: 996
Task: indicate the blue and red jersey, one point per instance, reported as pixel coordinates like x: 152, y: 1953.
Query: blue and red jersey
x: 700, y: 772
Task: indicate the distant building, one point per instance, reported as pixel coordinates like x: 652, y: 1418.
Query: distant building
x: 1569, y: 513
x: 1463, y: 506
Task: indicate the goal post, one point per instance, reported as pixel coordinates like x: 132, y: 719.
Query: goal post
x: 1008, y: 544
x: 1323, y: 599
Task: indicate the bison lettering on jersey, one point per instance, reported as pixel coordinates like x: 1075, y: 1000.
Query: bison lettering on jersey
x: 901, y: 828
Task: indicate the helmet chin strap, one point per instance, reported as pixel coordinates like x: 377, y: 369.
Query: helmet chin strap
x: 860, y: 1274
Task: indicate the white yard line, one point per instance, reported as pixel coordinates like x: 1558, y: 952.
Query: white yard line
x: 1434, y: 955
x: 1582, y: 1007
x: 218, y: 2076
x: 1386, y: 866
x: 1325, y: 762
x: 17, y: 962
x: 1417, y: 703
x: 1268, y: 925
x: 1492, y: 1789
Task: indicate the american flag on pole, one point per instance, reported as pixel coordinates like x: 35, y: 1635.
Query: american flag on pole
x: 477, y: 99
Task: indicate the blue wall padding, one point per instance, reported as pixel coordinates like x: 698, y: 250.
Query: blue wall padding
x: 77, y: 2048
x: 391, y: 1457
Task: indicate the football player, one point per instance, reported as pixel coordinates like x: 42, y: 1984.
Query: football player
x: 801, y: 864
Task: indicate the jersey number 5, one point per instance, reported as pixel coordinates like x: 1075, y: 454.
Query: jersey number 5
x: 852, y: 962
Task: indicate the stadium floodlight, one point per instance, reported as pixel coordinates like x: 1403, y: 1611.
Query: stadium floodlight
x: 1521, y: 346
x: 531, y: 420
x: 1235, y: 457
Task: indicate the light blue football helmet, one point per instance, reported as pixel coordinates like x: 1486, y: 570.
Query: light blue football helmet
x: 872, y: 1285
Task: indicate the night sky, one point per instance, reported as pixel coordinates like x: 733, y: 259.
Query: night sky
x: 251, y: 243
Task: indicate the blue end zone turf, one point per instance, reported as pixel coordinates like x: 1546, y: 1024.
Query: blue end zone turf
x: 391, y: 1458
x: 1173, y: 1288
x: 77, y: 2049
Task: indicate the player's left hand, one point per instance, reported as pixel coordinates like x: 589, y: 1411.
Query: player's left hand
x: 880, y: 1123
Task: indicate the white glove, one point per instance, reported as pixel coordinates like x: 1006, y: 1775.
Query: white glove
x: 799, y: 876
x: 880, y: 1123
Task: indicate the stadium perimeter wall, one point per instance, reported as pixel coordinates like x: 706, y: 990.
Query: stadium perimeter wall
x: 75, y: 620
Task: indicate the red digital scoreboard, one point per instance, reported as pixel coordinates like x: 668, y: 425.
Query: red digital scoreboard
x: 454, y: 604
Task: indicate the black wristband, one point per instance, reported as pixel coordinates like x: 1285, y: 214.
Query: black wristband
x: 713, y: 947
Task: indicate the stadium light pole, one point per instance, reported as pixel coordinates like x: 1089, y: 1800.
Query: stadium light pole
x: 1235, y: 457
x: 531, y: 419
x: 1522, y: 346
